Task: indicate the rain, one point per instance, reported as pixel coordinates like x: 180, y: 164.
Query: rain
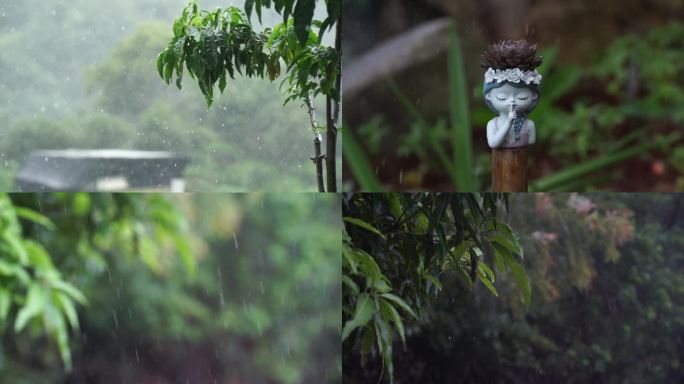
x: 80, y: 76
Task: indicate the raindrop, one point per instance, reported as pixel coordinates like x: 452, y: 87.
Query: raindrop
x: 235, y: 238
x: 137, y: 357
x: 116, y: 318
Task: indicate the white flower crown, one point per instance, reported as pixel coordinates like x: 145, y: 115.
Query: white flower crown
x: 514, y: 75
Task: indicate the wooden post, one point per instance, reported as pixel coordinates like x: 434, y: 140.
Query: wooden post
x: 509, y: 169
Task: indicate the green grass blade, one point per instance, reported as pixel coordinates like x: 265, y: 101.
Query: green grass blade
x: 461, y: 137
x: 358, y: 163
x: 583, y: 169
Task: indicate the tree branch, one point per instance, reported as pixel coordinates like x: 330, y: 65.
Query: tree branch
x: 318, y: 157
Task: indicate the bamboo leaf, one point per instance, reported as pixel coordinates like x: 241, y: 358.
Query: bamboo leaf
x: 400, y: 302
x: 364, y: 225
x: 390, y: 314
x: 365, y: 309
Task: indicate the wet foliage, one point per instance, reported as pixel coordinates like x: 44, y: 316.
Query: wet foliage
x: 399, y: 249
x: 221, y: 288
x: 607, y: 302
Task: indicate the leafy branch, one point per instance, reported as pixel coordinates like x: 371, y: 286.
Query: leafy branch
x: 215, y: 45
x: 398, y: 249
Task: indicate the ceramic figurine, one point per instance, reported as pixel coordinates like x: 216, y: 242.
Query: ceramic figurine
x: 511, y: 89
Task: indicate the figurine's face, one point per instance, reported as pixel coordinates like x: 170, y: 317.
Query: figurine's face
x: 505, y: 96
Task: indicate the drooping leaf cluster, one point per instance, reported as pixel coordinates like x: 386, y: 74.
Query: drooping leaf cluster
x: 33, y: 293
x: 302, y: 12
x: 398, y: 248
x: 215, y: 45
x: 597, y: 317
x: 44, y: 237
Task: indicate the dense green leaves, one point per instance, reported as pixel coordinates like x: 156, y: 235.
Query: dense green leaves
x: 365, y: 309
x: 399, y: 249
x: 215, y: 45
x: 34, y: 294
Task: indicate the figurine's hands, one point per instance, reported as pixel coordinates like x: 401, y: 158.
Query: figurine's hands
x: 512, y: 114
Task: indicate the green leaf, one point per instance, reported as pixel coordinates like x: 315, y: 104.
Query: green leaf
x: 381, y: 286
x: 507, y: 243
x: 365, y: 309
x: 390, y: 313
x: 587, y: 168
x: 349, y: 258
x: 185, y: 253
x: 367, y: 340
x: 222, y: 81
x: 38, y: 256
x: 364, y: 225
x: 520, y: 278
x: 36, y: 301
x: 461, y: 250
x: 249, y: 6
x: 160, y: 64
x: 499, y: 259
x: 384, y: 336
x: 368, y: 266
x: 14, y: 270
x: 5, y: 301
x: 68, y: 307
x: 15, y: 243
x: 346, y: 280
x: 487, y: 277
x: 70, y: 290
x: 400, y: 302
x: 355, y: 158
x: 34, y: 216
x: 434, y: 281
x: 462, y: 141
x: 303, y: 13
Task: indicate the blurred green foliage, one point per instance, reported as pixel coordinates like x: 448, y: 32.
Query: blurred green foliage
x: 607, y: 301
x: 397, y: 250
x: 231, y: 288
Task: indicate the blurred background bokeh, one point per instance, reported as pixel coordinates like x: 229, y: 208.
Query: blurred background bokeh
x: 607, y: 303
x: 610, y: 117
x: 82, y: 74
x: 101, y: 288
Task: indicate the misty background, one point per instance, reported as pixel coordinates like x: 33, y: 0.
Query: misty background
x: 81, y: 74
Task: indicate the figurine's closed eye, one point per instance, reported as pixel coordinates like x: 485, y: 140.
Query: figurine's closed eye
x: 500, y: 99
x: 523, y: 98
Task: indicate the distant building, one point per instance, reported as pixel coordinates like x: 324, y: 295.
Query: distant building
x: 102, y: 170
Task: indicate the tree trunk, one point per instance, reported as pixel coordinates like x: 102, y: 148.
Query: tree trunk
x: 318, y: 160
x: 318, y: 157
x: 333, y: 117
